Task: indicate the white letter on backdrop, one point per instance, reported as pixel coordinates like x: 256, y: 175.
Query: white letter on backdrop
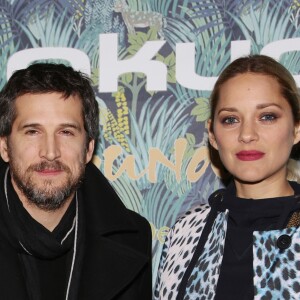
x: 240, y: 48
x: 110, y: 67
x: 185, y: 69
x: 21, y: 59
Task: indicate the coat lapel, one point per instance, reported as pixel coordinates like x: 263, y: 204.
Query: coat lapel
x: 205, y: 274
x: 109, y: 268
x: 110, y: 264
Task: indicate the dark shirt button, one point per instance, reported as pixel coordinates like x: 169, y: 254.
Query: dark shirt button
x: 284, y: 241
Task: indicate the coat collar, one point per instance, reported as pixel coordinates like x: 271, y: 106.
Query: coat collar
x: 103, y: 208
x: 110, y: 268
x: 110, y: 265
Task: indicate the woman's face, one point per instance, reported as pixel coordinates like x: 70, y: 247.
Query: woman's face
x: 253, y: 128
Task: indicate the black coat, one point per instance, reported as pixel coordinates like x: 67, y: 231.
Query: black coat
x: 117, y: 254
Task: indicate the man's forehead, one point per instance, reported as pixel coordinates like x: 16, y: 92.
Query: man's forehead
x: 49, y: 105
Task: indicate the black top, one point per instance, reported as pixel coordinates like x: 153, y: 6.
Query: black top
x: 46, y: 273
x: 113, y: 249
x: 53, y: 273
x: 245, y: 216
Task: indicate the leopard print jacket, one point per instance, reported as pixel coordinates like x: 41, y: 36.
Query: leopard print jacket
x: 276, y: 262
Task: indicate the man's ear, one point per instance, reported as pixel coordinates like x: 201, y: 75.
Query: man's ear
x: 90, y: 151
x: 3, y: 148
x: 211, y: 136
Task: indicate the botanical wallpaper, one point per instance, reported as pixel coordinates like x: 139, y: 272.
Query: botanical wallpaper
x: 153, y: 144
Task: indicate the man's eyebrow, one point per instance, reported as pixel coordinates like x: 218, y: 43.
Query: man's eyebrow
x: 62, y: 125
x: 29, y: 125
x: 71, y: 125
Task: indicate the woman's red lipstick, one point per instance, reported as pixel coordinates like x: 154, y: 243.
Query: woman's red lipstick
x: 249, y: 155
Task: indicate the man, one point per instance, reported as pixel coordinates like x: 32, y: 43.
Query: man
x: 64, y: 233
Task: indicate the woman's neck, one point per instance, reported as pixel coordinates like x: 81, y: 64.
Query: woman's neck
x: 263, y: 189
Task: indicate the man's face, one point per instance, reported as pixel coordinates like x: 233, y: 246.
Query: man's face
x: 46, y: 149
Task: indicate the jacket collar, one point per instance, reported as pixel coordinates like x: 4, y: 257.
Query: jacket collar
x: 110, y: 264
x: 104, y: 210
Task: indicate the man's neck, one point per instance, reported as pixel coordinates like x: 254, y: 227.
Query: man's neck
x: 49, y: 219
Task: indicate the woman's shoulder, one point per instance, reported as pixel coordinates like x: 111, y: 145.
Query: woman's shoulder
x: 178, y: 249
x: 191, y: 222
x: 195, y: 213
x: 199, y: 212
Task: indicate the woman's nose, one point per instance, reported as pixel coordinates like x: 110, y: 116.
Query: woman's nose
x: 248, y: 133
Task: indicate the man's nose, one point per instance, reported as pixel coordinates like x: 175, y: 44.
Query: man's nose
x: 50, y: 149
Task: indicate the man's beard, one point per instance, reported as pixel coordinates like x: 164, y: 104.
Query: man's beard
x: 49, y: 196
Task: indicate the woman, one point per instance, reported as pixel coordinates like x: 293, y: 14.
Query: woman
x: 244, y: 244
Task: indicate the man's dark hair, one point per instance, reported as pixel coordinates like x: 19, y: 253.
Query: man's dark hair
x: 42, y: 78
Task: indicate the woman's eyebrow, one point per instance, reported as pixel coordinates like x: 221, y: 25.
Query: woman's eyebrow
x: 229, y: 109
x: 264, y: 105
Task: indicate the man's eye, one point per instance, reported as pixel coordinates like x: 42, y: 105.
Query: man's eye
x: 66, y: 132
x: 31, y: 132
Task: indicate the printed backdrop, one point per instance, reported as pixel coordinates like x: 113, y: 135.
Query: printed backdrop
x: 153, y: 64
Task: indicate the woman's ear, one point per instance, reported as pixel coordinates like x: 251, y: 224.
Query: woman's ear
x: 211, y: 136
x: 297, y: 134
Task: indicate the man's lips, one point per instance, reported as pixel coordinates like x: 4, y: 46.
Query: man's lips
x: 249, y: 155
x: 50, y: 171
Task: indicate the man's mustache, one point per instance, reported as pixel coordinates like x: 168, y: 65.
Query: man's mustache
x: 46, y: 165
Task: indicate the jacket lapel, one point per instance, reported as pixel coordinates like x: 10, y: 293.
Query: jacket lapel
x: 109, y: 267
x: 205, y: 273
x: 109, y: 263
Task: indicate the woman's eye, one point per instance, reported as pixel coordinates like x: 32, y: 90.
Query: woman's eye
x: 268, y: 117
x: 229, y: 120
